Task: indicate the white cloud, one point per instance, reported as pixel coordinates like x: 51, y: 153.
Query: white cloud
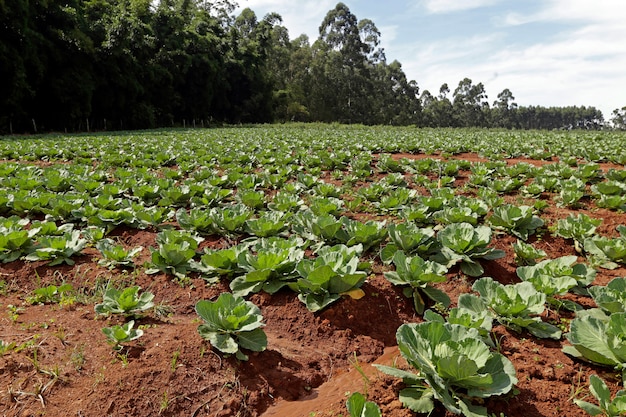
x: 581, y: 65
x: 449, y: 6
x: 388, y: 34
x: 570, y: 11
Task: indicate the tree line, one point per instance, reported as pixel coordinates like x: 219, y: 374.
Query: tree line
x: 127, y: 64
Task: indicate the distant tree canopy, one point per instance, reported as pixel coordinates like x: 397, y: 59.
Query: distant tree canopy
x: 125, y: 64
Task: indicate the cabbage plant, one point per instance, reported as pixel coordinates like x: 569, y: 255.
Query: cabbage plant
x: 57, y: 249
x: 358, y: 406
x: 232, y: 324
x: 231, y: 219
x: 127, y: 301
x: 455, y: 368
x: 578, y: 228
x: 418, y: 276
x: 464, y: 243
x: 611, y: 298
x: 335, y: 271
x: 367, y: 234
x: 451, y: 215
x: 115, y: 255
x: 268, y: 224
x: 219, y: 262
x: 14, y: 243
x: 599, y: 338
x: 470, y: 312
x: 269, y: 269
x: 324, y: 228
x: 607, y: 252
x: 520, y: 221
x: 285, y: 202
x: 118, y: 334
x: 526, y: 254
x: 176, y: 249
x: 408, y: 237
x: 516, y: 306
x: 557, y: 277
x: 196, y: 220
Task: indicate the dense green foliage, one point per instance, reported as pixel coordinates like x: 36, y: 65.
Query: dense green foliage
x: 113, y: 65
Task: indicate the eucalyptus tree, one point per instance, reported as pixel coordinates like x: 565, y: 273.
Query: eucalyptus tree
x: 397, y: 98
x: 292, y: 98
x: 344, y: 64
x: 470, y: 105
x: 504, y: 110
x: 619, y: 118
x: 437, y: 111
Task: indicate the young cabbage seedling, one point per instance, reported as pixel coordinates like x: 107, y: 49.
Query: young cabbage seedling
x: 417, y: 275
x: 126, y: 301
x: 358, y: 406
x: 116, y: 335
x: 116, y: 255
x: 606, y: 406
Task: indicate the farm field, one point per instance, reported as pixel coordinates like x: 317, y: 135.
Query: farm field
x: 344, y: 247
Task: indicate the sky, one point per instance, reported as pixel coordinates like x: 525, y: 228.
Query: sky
x: 547, y: 52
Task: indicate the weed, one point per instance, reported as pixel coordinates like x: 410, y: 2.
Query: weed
x: 164, y: 402
x: 52, y: 294
x: 93, y: 293
x: 77, y: 358
x: 61, y: 335
x: 497, y: 341
x: 99, y: 378
x: 7, y: 347
x: 184, y: 282
x: 163, y: 310
x: 355, y: 362
x: 564, y: 324
x: 35, y: 359
x: 54, y: 372
x: 577, y: 387
x: 123, y: 357
x: 14, y: 312
x: 174, y: 360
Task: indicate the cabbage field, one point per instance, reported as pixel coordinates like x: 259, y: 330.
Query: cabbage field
x: 314, y: 271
